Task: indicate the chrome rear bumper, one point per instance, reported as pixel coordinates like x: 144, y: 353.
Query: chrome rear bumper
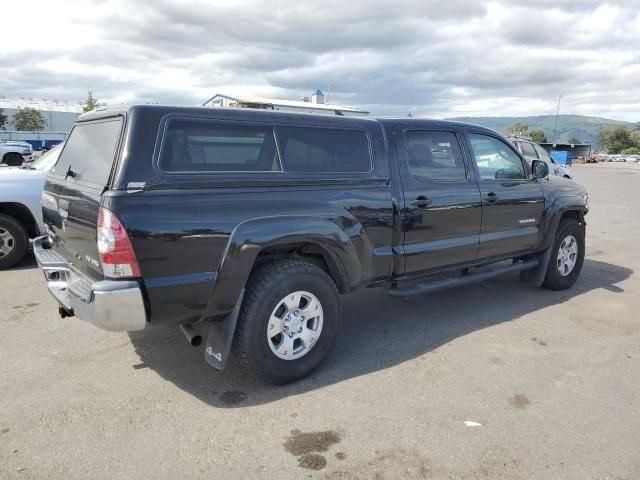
x: 114, y: 305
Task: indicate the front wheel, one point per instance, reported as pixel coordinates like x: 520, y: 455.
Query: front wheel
x: 567, y: 256
x: 13, y: 159
x: 14, y: 241
x: 288, y: 322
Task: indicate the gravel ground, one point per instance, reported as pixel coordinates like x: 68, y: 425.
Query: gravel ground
x: 495, y: 380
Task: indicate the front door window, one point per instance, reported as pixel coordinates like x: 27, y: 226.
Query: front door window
x: 495, y: 159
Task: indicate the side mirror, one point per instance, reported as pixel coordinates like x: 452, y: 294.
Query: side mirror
x: 540, y: 169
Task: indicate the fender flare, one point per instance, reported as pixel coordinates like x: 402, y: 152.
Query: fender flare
x: 555, y: 213
x: 251, y: 237
x: 24, y: 215
x: 536, y: 275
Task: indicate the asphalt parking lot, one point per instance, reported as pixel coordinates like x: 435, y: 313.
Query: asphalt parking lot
x: 495, y: 380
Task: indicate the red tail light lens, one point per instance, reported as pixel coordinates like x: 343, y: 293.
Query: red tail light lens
x: 116, y: 253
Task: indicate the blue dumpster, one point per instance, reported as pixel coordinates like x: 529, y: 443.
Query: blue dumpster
x: 562, y: 157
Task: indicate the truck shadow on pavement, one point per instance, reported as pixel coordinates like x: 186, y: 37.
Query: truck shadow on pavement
x: 377, y: 332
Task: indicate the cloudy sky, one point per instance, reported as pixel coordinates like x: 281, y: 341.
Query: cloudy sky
x: 437, y: 58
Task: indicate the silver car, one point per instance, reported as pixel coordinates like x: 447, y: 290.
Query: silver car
x: 20, y: 208
x: 533, y: 151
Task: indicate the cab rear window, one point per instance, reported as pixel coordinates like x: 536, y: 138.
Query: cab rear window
x: 90, y: 151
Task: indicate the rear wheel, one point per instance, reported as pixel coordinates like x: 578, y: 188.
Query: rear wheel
x: 14, y: 241
x: 567, y: 256
x: 288, y: 321
x: 12, y: 159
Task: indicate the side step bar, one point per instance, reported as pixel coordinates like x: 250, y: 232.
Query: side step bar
x: 461, y: 280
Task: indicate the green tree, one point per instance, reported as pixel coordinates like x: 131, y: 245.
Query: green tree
x: 574, y: 141
x: 618, y: 139
x: 538, y: 136
x: 3, y: 119
x: 29, y: 119
x: 91, y: 103
x: 631, y: 151
x: 517, y: 128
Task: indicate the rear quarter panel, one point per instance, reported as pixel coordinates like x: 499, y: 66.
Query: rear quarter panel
x: 181, y: 237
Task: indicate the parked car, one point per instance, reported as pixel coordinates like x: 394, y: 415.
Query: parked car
x: 20, y: 209
x: 14, y: 153
x: 249, y: 224
x: 532, y: 151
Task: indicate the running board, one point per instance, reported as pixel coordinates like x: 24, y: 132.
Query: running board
x: 461, y: 280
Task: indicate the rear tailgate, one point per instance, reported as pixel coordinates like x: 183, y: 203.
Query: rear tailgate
x: 72, y: 192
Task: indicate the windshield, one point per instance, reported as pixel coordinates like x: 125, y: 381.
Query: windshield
x: 48, y: 159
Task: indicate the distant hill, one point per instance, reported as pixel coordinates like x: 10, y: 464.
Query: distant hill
x: 569, y: 126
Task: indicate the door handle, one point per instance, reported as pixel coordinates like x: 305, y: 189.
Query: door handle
x: 491, y: 197
x: 421, y: 202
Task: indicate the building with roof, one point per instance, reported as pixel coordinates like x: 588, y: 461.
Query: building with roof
x: 59, y: 118
x: 315, y: 104
x: 574, y: 149
x: 59, y: 115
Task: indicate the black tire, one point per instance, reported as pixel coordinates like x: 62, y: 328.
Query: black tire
x: 19, y: 241
x: 12, y: 159
x: 554, y: 280
x: 264, y: 292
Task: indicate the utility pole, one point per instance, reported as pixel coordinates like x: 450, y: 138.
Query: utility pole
x: 553, y: 138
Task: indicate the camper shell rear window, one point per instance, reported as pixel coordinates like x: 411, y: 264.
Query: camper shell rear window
x: 90, y: 151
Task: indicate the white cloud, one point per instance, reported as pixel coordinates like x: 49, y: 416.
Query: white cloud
x: 438, y: 58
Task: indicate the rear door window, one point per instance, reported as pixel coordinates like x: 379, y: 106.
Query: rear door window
x: 528, y: 150
x: 90, y: 151
x: 206, y: 146
x: 435, y: 155
x: 324, y: 150
x: 543, y: 154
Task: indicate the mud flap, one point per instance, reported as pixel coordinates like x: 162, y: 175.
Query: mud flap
x: 536, y: 275
x: 220, y: 338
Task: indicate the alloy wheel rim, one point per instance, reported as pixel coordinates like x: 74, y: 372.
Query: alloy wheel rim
x: 567, y: 255
x: 7, y: 242
x: 295, y: 325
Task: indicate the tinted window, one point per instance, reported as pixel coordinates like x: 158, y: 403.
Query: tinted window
x: 206, y: 146
x: 90, y: 151
x: 324, y: 150
x: 496, y: 159
x: 528, y: 150
x: 543, y: 154
x: 434, y: 155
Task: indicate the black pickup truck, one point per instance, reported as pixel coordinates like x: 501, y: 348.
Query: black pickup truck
x: 245, y: 225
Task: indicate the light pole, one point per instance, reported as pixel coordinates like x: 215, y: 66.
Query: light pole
x: 553, y: 138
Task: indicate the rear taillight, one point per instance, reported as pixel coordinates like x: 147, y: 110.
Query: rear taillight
x: 116, y: 253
